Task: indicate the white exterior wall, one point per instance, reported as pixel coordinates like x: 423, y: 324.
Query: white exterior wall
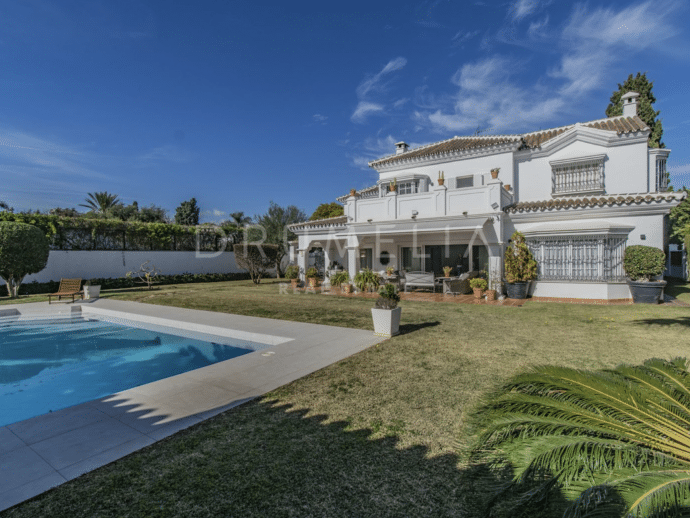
x: 625, y: 170
x: 90, y: 264
x: 480, y: 167
x: 580, y: 290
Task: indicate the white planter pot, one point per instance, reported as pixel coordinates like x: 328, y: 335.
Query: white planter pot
x: 92, y: 292
x: 386, y: 321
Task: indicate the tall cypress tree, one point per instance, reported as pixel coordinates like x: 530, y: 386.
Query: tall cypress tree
x: 645, y: 110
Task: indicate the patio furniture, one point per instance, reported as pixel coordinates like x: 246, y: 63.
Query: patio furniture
x: 67, y: 288
x: 460, y: 285
x: 420, y: 280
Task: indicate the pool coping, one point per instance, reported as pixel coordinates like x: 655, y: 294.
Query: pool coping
x: 40, y: 453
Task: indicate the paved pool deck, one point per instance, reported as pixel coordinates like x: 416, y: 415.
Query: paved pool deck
x: 45, y: 451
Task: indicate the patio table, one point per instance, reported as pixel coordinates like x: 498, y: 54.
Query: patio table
x: 446, y: 283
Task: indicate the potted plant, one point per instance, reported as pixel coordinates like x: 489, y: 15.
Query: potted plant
x: 393, y: 185
x: 390, y: 270
x: 520, y: 267
x: 292, y: 273
x: 478, y: 286
x: 91, y: 291
x: 353, y: 192
x: 340, y: 279
x: 494, y: 172
x: 312, y: 275
x: 447, y: 270
x: 441, y: 178
x: 386, y: 312
x: 641, y: 264
x: 367, y: 280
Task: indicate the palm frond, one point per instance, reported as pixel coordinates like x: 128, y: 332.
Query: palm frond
x: 620, y: 436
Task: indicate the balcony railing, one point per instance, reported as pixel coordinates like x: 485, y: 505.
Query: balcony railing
x: 578, y: 176
x: 382, y: 205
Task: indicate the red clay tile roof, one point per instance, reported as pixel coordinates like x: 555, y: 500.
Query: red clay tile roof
x: 594, y: 201
x: 529, y: 140
x: 318, y: 223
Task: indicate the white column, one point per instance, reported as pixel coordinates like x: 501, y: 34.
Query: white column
x: 326, y: 264
x: 302, y: 256
x: 352, y: 255
x: 495, y: 267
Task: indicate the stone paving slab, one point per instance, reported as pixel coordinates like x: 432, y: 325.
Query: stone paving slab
x: 42, y: 452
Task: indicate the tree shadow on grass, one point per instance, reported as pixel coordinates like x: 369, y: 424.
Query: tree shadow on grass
x: 267, y: 458
x: 683, y: 321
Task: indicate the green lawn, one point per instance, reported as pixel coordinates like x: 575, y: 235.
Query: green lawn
x: 382, y: 433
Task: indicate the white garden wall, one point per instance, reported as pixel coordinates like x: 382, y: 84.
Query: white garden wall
x: 89, y: 264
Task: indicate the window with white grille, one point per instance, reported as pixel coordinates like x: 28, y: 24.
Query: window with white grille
x: 408, y: 187
x: 578, y: 258
x: 578, y: 175
x: 661, y: 175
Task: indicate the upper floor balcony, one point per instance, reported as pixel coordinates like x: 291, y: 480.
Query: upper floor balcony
x: 378, y: 203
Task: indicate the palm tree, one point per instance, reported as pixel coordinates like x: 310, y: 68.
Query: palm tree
x: 100, y: 201
x: 617, y: 442
x: 239, y: 219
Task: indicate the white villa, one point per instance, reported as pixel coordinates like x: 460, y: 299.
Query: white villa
x: 579, y: 193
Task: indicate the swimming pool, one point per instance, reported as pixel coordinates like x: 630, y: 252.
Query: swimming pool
x: 49, y: 363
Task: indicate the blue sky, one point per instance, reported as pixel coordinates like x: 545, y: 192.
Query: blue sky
x: 240, y: 103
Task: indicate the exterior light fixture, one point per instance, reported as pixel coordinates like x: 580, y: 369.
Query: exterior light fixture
x: 494, y: 205
x: 464, y: 213
x: 369, y: 220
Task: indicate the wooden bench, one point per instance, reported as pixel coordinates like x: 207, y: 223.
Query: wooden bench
x: 420, y: 280
x: 68, y: 288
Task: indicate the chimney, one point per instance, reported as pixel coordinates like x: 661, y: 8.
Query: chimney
x: 400, y: 148
x: 629, y: 101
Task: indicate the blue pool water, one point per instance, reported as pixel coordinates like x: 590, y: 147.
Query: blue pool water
x: 49, y: 364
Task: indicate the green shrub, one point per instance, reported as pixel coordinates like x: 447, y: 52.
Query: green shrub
x: 292, y: 271
x: 520, y: 265
x: 340, y: 278
x: 367, y: 280
x: 312, y: 273
x: 641, y: 262
x: 388, y: 297
x: 478, y: 283
x: 24, y: 250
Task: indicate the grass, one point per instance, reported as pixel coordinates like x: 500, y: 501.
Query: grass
x: 382, y: 433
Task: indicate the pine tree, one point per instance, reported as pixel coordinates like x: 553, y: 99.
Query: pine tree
x: 645, y: 110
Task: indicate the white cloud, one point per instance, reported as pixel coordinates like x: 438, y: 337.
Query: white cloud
x: 401, y: 102
x: 219, y: 213
x: 537, y: 28
x: 593, y: 41
x: 463, y: 36
x: 374, y: 85
x: 364, y: 109
x: 522, y: 8
x: 319, y: 118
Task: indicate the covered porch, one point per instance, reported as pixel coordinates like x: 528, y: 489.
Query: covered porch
x: 464, y: 244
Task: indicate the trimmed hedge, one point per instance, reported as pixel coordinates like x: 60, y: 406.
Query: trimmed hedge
x: 33, y: 288
x: 114, y: 234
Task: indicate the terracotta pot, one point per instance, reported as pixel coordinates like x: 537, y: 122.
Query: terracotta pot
x: 490, y: 294
x: 353, y: 192
x: 313, y: 282
x: 446, y: 273
x: 346, y: 288
x: 477, y: 293
x: 392, y: 188
x: 294, y: 282
x: 507, y: 186
x: 494, y: 175
x: 441, y: 181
